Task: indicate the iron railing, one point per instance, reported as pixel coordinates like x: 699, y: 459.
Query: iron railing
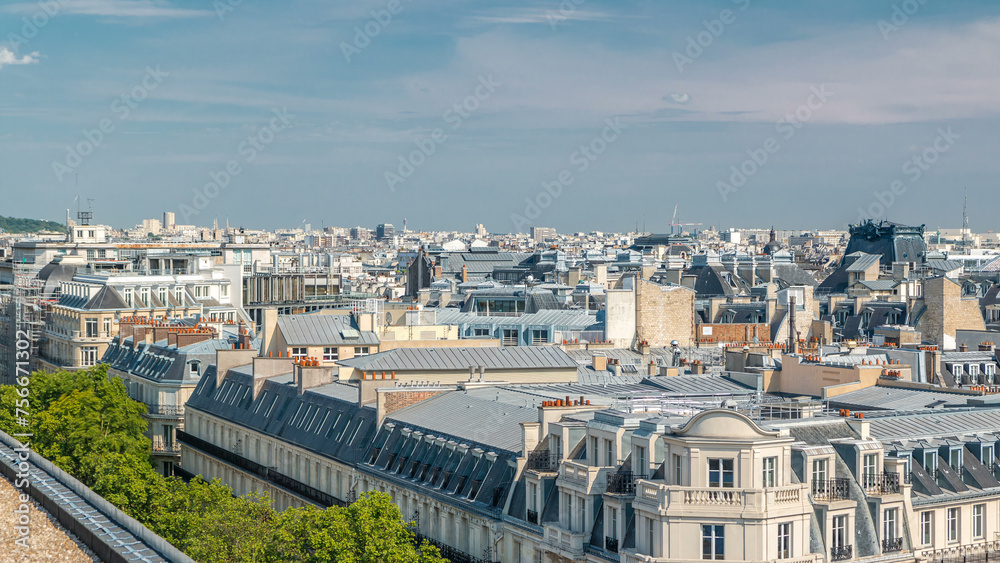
x: 890, y: 545
x: 622, y: 483
x: 164, y: 448
x: 165, y: 410
x: 832, y: 489
x: 982, y: 552
x: 261, y: 471
x: 451, y: 553
x: 842, y: 553
x: 542, y: 461
x: 611, y: 544
x: 533, y: 516
x: 884, y: 483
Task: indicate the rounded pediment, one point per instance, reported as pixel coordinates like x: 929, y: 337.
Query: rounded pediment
x: 724, y: 424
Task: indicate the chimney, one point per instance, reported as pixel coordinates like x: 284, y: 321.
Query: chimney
x: 793, y: 342
x: 652, y: 369
x: 269, y: 324
x: 963, y: 347
x: 900, y: 270
x: 465, y: 273
x: 599, y: 362
x: 228, y: 359
x: 264, y: 367
x: 310, y: 376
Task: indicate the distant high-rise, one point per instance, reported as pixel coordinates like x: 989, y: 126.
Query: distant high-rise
x: 168, y: 221
x: 385, y: 231
x: 541, y: 234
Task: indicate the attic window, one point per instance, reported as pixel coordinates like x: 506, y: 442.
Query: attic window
x: 194, y: 368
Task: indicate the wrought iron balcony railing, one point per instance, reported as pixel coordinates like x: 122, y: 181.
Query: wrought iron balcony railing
x: 842, y: 553
x: 622, y: 483
x: 832, y: 489
x: 890, y: 545
x: 884, y: 483
x: 533, y: 516
x: 542, y: 461
x: 611, y: 544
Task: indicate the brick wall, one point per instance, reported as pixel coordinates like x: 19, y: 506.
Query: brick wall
x: 396, y: 400
x: 734, y: 332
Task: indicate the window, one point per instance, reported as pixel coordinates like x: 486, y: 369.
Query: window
x: 990, y: 370
x: 161, y: 294
x: 889, y: 531
x: 930, y: 461
x: 819, y: 475
x: 839, y: 537
x: 986, y: 455
x: 978, y: 510
x: 88, y: 356
x: 770, y: 471
x: 612, y: 522
x: 720, y: 473
x: 609, y: 453
x: 91, y: 327
x: 179, y: 295
x: 957, y: 371
x: 678, y: 469
x: 300, y: 352
x: 952, y: 524
x: 955, y: 458
x: 144, y: 296
x: 193, y: 368
x: 640, y: 461
x: 594, y: 452
x: 107, y: 327
x: 784, y: 540
x: 870, y: 465
x: 361, y: 351
x: 480, y: 332
x: 539, y: 337
x: 128, y: 296
x: 926, y: 527
x: 651, y: 536
x: 713, y: 542
x: 331, y: 353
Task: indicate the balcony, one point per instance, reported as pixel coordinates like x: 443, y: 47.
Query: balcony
x: 710, y: 500
x: 532, y: 516
x: 450, y: 553
x: 542, y: 462
x: 890, y: 545
x: 262, y: 472
x: 611, y: 544
x: 567, y: 544
x: 884, y: 483
x: 842, y: 553
x: 832, y: 489
x: 623, y: 483
x: 584, y: 478
x: 173, y: 411
x: 166, y: 448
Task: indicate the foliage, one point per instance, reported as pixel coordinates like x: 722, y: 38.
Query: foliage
x: 85, y: 422
x: 13, y: 225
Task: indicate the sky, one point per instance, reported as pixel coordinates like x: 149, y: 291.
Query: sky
x: 580, y: 115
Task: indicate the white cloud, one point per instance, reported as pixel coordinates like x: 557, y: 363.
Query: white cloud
x: 8, y: 57
x: 112, y: 8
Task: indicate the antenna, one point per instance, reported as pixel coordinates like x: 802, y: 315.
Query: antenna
x: 965, y: 220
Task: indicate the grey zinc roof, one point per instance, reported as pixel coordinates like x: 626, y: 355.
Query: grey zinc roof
x: 929, y: 425
x: 466, y: 417
x: 422, y: 359
x: 879, y: 285
x: 562, y: 318
x: 863, y: 262
x: 318, y: 330
x: 892, y: 398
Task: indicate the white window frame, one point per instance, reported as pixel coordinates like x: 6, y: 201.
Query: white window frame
x: 978, y: 521
x: 299, y: 352
x: 926, y: 527
x: 770, y: 472
x: 838, y: 531
x: 331, y: 354
x: 720, y: 468
x: 953, y: 524
x: 785, y: 540
x: 711, y: 535
x: 890, y: 524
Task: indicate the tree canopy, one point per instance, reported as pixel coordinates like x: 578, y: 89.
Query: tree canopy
x: 85, y: 422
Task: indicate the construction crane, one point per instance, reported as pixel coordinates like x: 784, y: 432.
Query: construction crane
x: 674, y: 223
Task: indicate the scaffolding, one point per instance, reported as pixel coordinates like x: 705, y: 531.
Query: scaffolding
x: 22, y: 323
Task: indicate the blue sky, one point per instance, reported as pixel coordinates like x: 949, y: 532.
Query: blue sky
x: 689, y: 114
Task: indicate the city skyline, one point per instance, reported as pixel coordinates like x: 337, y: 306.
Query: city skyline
x: 738, y: 112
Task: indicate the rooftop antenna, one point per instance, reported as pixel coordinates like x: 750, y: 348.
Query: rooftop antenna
x: 965, y: 220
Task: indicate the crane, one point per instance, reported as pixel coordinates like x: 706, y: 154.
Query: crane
x: 674, y: 223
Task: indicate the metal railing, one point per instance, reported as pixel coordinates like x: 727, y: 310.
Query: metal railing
x: 542, y: 461
x: 842, y: 553
x: 611, y: 544
x: 532, y: 516
x: 884, y: 483
x: 622, y: 483
x: 451, y: 553
x: 261, y: 471
x: 890, y: 545
x: 165, y: 410
x: 981, y: 552
x: 832, y: 489
x: 165, y: 448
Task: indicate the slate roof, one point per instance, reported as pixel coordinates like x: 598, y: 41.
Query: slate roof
x: 445, y: 359
x: 469, y: 418
x: 320, y: 330
x: 929, y: 425
x: 895, y: 398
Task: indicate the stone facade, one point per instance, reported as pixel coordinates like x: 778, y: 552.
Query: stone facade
x: 664, y: 313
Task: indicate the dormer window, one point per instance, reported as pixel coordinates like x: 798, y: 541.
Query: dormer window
x: 955, y: 458
x: 986, y: 455
x: 194, y: 368
x: 930, y: 461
